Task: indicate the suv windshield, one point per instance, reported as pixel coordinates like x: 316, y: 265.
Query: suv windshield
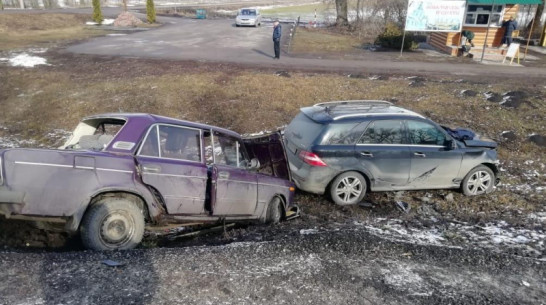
x: 303, y: 131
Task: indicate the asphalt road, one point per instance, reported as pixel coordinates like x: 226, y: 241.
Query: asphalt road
x: 189, y: 39
x: 220, y: 41
x: 343, y: 266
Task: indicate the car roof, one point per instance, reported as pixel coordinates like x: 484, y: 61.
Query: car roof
x: 355, y: 110
x: 158, y: 119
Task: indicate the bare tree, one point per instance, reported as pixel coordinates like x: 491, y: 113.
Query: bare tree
x: 342, y: 12
x: 536, y: 20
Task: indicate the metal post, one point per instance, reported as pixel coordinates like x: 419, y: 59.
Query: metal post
x: 403, y: 39
x: 487, y: 32
x: 529, y: 38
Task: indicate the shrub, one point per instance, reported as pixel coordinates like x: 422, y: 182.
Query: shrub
x: 150, y: 11
x: 392, y: 38
x: 97, y: 13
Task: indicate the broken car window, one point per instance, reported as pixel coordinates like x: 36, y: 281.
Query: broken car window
x: 180, y: 143
x: 383, y: 132
x: 228, y: 151
x: 150, y: 146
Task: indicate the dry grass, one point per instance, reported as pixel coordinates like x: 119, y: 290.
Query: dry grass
x: 313, y: 41
x: 24, y: 30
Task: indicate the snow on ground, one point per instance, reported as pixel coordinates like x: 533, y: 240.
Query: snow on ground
x: 104, y: 22
x: 455, y: 234
x: 57, y: 137
x: 26, y: 60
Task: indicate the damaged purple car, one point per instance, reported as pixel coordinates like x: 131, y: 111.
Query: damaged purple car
x: 120, y: 172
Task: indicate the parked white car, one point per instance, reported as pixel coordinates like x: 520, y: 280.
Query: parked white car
x: 248, y: 17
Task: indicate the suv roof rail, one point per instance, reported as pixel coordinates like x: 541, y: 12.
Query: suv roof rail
x: 355, y: 102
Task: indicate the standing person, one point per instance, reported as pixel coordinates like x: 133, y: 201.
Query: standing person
x: 277, y: 32
x: 509, y: 27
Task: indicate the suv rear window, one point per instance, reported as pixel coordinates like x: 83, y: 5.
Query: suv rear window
x: 302, y: 131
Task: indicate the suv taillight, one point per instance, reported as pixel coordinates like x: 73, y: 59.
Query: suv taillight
x: 311, y: 158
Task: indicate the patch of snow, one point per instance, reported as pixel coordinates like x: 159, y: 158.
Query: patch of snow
x: 25, y: 60
x: 108, y: 21
x: 116, y: 34
x: 4, y: 59
x: 91, y: 23
x: 308, y: 231
x: 38, y: 50
x: 498, y: 235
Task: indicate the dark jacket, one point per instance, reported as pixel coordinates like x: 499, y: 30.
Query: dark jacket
x: 509, y: 26
x: 277, y: 31
x: 468, y: 34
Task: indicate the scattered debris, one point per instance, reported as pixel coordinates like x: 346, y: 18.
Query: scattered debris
x: 365, y: 204
x: 416, y: 84
x: 359, y: 76
x: 403, y: 206
x: 111, y: 263
x: 449, y: 197
x: 378, y: 77
x: 283, y: 74
x: 539, y: 140
x: 467, y: 93
x: 509, y: 135
x: 492, y: 97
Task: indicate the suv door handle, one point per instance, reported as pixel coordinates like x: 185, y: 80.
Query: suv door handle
x: 419, y: 154
x: 151, y: 169
x: 366, y: 154
x: 223, y: 175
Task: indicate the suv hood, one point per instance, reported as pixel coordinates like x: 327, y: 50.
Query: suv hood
x: 269, y: 150
x: 470, y: 138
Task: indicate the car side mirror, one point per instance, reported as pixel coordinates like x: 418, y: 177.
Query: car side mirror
x: 451, y: 144
x: 254, y: 164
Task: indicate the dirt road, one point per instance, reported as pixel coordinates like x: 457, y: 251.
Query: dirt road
x: 220, y: 41
x: 346, y: 265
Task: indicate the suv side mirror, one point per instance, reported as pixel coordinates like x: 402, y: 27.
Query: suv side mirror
x: 254, y: 164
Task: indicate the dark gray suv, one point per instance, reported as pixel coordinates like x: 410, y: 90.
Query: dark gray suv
x: 347, y: 148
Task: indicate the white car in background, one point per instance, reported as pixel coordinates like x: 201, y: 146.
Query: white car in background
x: 248, y: 16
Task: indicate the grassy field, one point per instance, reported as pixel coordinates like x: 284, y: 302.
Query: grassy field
x: 24, y: 30
x: 317, y: 41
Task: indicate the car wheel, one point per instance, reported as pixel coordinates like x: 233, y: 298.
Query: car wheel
x: 348, y: 188
x: 236, y: 25
x: 274, y: 211
x: 112, y: 224
x: 480, y: 180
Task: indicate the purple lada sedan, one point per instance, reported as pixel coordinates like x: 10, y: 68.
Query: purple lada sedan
x: 119, y: 172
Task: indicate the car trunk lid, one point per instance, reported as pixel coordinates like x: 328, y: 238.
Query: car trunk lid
x: 269, y: 150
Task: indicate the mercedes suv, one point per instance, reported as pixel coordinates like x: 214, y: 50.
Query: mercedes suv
x: 345, y: 149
